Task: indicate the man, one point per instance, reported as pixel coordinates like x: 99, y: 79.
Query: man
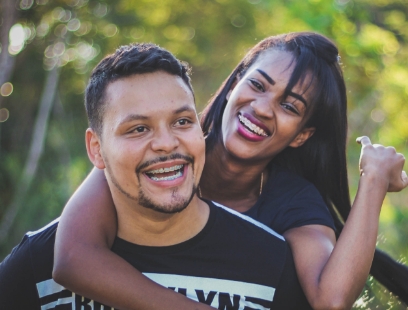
x: 144, y: 132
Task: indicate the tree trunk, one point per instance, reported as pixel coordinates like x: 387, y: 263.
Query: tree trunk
x: 9, y: 17
x: 36, y: 149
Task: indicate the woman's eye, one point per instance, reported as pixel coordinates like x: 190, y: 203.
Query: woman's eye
x: 290, y: 108
x: 257, y: 85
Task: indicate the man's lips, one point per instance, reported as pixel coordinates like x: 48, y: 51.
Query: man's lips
x: 164, y: 162
x: 166, y: 173
x: 253, y: 125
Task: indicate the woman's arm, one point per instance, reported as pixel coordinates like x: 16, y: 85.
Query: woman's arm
x: 333, y: 274
x: 84, y: 263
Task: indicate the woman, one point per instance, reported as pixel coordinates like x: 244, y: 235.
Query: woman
x: 283, y: 108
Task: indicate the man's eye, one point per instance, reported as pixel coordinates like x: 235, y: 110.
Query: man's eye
x: 183, y: 122
x: 257, y: 85
x: 140, y: 129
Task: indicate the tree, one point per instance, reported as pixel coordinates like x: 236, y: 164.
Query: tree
x: 70, y: 36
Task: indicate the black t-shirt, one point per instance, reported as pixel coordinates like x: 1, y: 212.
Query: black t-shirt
x: 288, y: 201
x: 233, y: 263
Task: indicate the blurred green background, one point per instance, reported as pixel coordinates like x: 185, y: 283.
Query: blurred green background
x: 49, y: 47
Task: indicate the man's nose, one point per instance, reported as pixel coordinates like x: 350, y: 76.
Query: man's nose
x: 164, y: 141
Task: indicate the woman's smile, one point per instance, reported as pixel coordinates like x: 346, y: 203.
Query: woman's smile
x: 249, y: 130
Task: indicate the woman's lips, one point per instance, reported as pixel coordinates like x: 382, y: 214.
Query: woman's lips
x: 247, y: 132
x: 251, y: 126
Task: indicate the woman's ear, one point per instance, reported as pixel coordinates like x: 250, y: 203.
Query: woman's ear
x: 302, y: 137
x: 93, y: 147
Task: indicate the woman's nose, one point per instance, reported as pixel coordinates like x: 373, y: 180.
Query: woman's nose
x: 262, y: 108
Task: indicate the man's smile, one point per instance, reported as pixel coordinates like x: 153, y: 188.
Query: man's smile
x: 166, y: 174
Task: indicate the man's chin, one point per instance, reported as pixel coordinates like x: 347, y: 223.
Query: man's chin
x: 176, y: 204
x: 165, y: 209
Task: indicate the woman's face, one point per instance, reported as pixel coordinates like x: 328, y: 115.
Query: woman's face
x: 258, y: 122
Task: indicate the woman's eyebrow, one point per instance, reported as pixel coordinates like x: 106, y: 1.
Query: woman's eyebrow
x: 272, y: 82
x: 266, y: 76
x: 298, y: 97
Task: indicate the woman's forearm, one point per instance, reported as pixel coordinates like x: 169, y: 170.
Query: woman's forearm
x: 84, y: 263
x: 333, y: 274
x: 99, y: 274
x: 347, y: 269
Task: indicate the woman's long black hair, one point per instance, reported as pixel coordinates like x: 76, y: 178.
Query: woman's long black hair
x: 322, y: 159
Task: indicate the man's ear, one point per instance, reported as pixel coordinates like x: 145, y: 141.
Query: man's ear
x: 93, y: 147
x: 302, y: 137
x: 232, y: 87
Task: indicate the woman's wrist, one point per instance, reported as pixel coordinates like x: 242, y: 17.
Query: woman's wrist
x: 374, y: 178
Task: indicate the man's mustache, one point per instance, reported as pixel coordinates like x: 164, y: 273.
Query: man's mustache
x: 160, y: 159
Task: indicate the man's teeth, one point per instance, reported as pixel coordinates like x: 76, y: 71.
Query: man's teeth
x: 163, y: 170
x: 252, y: 126
x: 168, y: 178
x: 176, y: 168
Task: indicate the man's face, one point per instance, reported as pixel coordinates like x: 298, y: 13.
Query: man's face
x: 151, y: 143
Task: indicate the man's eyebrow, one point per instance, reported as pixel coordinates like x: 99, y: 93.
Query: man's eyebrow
x: 266, y: 76
x: 133, y: 117
x: 185, y: 108
x: 137, y: 117
x: 298, y: 97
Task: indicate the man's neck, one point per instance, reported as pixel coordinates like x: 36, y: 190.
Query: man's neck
x: 143, y: 226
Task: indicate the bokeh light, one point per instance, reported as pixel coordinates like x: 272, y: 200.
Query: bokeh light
x: 6, y: 89
x: 4, y: 115
x: 238, y: 21
x: 110, y: 30
x: 377, y: 115
x: 17, y: 38
x: 26, y: 4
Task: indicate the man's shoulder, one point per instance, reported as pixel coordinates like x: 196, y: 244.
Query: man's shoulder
x: 38, y: 247
x: 29, y: 263
x: 41, y: 242
x: 45, y: 231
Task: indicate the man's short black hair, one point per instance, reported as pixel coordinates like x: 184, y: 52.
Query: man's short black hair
x: 127, y: 60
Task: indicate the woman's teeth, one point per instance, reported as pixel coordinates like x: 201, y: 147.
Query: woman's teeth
x: 251, y: 126
x: 167, y: 177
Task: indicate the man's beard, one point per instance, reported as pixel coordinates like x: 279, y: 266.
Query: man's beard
x: 177, y: 204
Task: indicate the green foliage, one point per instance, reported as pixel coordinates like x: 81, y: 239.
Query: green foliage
x: 212, y: 35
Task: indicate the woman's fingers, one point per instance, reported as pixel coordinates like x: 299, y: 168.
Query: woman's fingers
x: 383, y: 162
x: 363, y: 140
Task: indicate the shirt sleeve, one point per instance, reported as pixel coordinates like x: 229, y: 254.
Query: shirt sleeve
x: 17, y: 286
x: 306, y: 207
x: 290, y: 201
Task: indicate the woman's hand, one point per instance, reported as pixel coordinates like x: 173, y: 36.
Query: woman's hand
x: 383, y: 163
